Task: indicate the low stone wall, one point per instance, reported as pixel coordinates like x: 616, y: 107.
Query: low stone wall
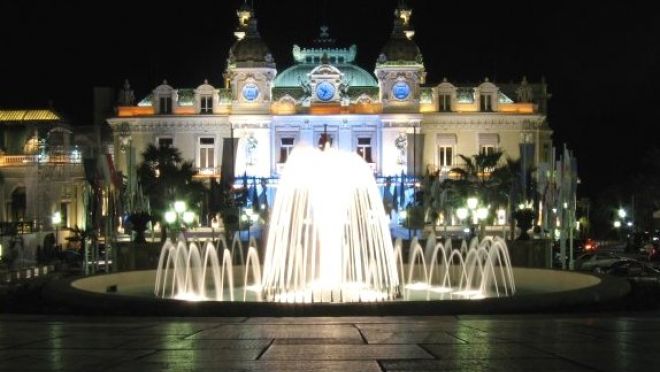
x: 531, y: 253
x: 541, y: 291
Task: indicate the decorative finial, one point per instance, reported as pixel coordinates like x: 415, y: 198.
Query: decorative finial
x: 206, y: 81
x: 164, y: 81
x: 444, y: 79
x: 486, y: 79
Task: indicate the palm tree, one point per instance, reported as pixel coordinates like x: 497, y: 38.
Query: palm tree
x: 166, y: 177
x: 517, y: 186
x: 476, y: 178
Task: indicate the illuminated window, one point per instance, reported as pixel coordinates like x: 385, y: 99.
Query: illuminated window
x: 286, y: 145
x: 165, y: 141
x: 488, y: 143
x: 364, y: 149
x: 487, y: 149
x: 445, y: 156
x: 206, y: 104
x: 207, y: 153
x: 165, y: 105
x: 445, y: 102
x: 486, y: 103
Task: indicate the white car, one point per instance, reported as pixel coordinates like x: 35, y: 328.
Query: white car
x: 597, y: 262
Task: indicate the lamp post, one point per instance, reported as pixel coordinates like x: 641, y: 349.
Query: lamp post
x: 179, y: 216
x: 474, y: 214
x: 404, y: 215
x: 56, y: 220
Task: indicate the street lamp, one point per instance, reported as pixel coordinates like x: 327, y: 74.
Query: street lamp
x: 403, y: 215
x: 179, y: 206
x: 473, y: 212
x: 188, y: 217
x: 622, y: 213
x: 472, y: 203
x: 56, y: 220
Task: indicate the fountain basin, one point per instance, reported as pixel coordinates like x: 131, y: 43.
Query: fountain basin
x: 131, y: 293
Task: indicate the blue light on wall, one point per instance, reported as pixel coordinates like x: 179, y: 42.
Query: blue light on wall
x: 401, y: 90
x: 325, y: 91
x: 250, y: 92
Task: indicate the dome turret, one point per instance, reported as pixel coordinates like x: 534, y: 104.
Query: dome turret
x: 251, y: 50
x: 400, y: 48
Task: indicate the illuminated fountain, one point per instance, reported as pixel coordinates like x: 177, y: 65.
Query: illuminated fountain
x: 329, y: 238
x: 329, y: 241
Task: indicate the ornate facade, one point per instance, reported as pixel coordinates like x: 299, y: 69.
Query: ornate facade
x: 396, y: 120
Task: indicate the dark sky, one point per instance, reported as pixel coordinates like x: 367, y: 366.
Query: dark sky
x: 601, y: 61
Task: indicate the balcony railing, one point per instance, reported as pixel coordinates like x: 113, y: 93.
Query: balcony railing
x: 207, y: 172
x: 21, y: 160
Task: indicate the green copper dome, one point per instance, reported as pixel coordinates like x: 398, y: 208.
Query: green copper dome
x: 354, y: 75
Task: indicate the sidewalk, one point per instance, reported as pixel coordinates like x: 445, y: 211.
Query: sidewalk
x: 574, y: 342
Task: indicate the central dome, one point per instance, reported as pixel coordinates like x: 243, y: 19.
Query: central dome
x: 294, y: 75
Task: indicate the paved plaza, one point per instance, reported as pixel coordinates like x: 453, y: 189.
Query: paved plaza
x: 573, y: 342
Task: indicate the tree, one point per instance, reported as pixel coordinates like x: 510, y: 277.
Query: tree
x: 166, y: 177
x: 485, y: 176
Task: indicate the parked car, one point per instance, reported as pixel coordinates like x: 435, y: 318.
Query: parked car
x: 580, y: 247
x: 653, y: 250
x: 634, y: 270
x: 597, y: 262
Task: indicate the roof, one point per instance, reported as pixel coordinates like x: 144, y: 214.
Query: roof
x: 355, y: 76
x: 28, y: 115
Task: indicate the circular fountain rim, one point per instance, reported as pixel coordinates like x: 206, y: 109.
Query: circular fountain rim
x: 64, y: 292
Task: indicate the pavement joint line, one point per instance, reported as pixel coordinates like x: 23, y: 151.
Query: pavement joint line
x: 140, y: 357
x: 364, y: 338
x: 272, y: 340
x: 572, y: 361
x: 426, y: 350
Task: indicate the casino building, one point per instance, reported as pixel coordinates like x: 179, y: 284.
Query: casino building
x: 395, y: 119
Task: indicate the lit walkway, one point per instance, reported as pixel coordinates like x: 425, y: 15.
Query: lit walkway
x: 473, y: 343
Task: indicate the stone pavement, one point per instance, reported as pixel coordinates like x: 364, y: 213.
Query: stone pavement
x: 573, y: 342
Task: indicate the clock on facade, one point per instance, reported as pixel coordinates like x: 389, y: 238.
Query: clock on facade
x: 325, y: 91
x: 250, y: 92
x: 401, y: 90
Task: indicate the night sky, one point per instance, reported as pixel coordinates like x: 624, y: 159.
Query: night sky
x: 601, y: 62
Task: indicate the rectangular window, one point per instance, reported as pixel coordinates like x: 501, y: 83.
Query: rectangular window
x: 487, y: 149
x: 206, y: 104
x: 286, y: 145
x: 165, y: 142
x: 486, y: 103
x: 446, y: 156
x: 207, y: 153
x: 445, y: 103
x: 364, y: 149
x: 165, y: 105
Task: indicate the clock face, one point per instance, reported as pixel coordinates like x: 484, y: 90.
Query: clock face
x: 325, y: 91
x: 250, y: 92
x: 401, y: 90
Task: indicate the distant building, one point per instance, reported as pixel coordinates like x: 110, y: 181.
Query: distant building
x: 397, y: 121
x: 41, y: 170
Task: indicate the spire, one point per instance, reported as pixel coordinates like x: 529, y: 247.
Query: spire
x: 245, y: 14
x: 126, y: 95
x: 404, y: 14
x: 324, y: 38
